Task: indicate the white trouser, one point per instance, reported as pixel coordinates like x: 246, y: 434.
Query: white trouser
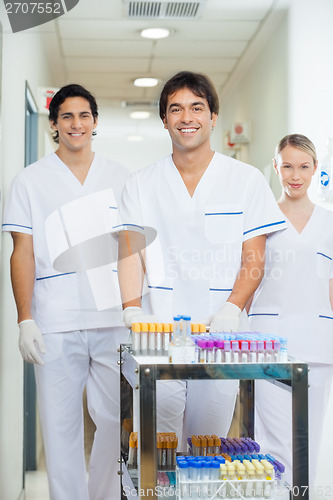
x: 195, y: 407
x: 273, y: 419
x: 73, y: 361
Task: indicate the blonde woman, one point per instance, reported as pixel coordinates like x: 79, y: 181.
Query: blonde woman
x: 295, y: 300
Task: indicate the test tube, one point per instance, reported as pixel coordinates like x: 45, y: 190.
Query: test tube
x: 210, y: 351
x: 268, y: 351
x: 217, y: 444
x: 195, y: 446
x: 227, y: 351
x: 169, y: 453
x: 202, y: 351
x: 276, y: 350
x: 166, y: 338
x: 176, y: 327
x: 253, y: 351
x: 260, y: 353
x: 249, y: 488
x: 174, y: 454
x: 151, y: 338
x: 235, y: 351
x: 223, y: 477
x: 269, y: 472
x: 232, y: 491
x: 260, y: 475
x: 183, y: 468
x: 136, y: 338
x: 202, y: 328
x: 205, y: 478
x: 131, y: 451
x: 244, y: 351
x: 241, y: 474
x: 203, y: 445
x: 196, y: 490
x: 218, y: 344
x: 144, y: 339
x: 210, y: 445
x: 159, y: 451
x: 283, y: 358
x: 159, y: 340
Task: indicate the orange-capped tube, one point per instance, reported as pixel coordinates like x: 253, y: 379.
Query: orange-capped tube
x: 194, y: 329
x: 166, y: 338
x: 159, y: 451
x: 135, y: 334
x: 159, y: 339
x: 151, y: 338
x: 210, y: 445
x: 217, y: 444
x: 169, y: 445
x: 132, y: 452
x: 144, y: 339
x: 195, y: 446
x: 203, y: 444
x: 202, y: 328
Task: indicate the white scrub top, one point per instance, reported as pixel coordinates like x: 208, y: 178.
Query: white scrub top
x: 293, y: 298
x: 76, y: 285
x: 193, y: 263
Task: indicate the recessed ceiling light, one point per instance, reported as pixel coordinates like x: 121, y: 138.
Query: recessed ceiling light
x: 155, y: 33
x: 140, y: 115
x: 146, y: 82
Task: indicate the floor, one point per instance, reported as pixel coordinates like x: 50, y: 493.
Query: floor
x: 36, y: 485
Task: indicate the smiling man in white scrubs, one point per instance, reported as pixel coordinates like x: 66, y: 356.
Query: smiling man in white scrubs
x: 60, y: 212
x: 212, y: 214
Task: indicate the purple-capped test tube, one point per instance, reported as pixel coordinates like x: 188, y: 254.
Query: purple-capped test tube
x: 219, y: 345
x: 227, y: 351
x: 202, y: 351
x: 210, y: 351
x: 253, y: 351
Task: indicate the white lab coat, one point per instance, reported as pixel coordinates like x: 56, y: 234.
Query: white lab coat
x: 47, y: 201
x: 70, y: 224
x: 293, y: 301
x: 193, y: 263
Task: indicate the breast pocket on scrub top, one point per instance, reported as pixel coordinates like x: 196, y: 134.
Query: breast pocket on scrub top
x: 324, y: 262
x: 224, y: 223
x: 264, y: 319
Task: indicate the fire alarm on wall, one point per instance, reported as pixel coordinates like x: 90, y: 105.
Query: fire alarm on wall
x: 240, y: 132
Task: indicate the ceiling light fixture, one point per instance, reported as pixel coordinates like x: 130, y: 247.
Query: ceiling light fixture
x: 155, y: 33
x: 139, y: 115
x: 146, y: 82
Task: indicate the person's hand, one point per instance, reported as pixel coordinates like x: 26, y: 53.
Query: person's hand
x: 135, y: 315
x: 31, y: 341
x: 227, y: 319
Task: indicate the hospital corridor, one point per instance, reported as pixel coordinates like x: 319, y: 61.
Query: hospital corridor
x: 150, y: 152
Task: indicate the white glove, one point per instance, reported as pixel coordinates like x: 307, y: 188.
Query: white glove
x: 135, y: 315
x: 31, y: 339
x: 227, y: 319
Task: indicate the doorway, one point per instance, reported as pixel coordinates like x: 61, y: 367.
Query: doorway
x: 31, y: 148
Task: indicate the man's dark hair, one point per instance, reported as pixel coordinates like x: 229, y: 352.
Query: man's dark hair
x: 198, y: 83
x: 71, y: 90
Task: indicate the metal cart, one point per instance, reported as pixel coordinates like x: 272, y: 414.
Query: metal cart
x: 141, y: 373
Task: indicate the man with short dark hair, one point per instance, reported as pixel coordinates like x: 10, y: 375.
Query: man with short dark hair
x: 212, y: 214
x: 60, y: 212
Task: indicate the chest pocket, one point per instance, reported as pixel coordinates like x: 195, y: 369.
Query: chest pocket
x: 324, y: 262
x: 224, y: 223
